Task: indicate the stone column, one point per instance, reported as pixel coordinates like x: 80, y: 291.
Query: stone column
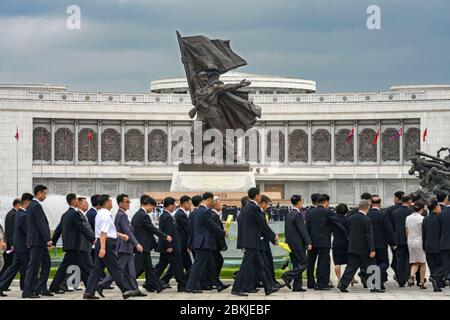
x: 52, y: 146
x: 263, y: 143
x: 169, y: 143
x: 122, y: 142
x: 146, y: 132
x: 379, y: 143
x: 401, y: 141
x: 75, y: 159
x: 355, y: 144
x: 99, y: 142
x: 309, y: 143
x: 333, y: 142
x: 286, y: 144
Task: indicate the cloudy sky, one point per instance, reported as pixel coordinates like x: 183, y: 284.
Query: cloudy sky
x: 123, y: 44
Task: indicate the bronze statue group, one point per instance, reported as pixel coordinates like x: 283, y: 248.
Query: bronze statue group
x: 191, y: 236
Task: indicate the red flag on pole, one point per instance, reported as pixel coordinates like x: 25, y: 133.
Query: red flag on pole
x: 350, y: 135
x: 17, y: 135
x: 397, y: 135
x: 90, y: 136
x: 377, y: 135
x: 425, y: 133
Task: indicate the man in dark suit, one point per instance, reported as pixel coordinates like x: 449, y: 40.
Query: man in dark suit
x: 204, y: 233
x: 361, y: 248
x: 314, y: 199
x: 125, y: 249
x: 442, y: 198
x: 431, y: 236
x: 85, y: 243
x: 389, y: 214
x: 383, y: 237
x: 145, y: 232
x: 38, y: 242
x: 298, y: 239
x: 195, y: 200
x: 319, y: 224
x: 364, y: 196
x: 20, y: 259
x: 444, y: 242
x: 170, y: 252
x: 71, y: 227
x: 402, y: 252
x: 181, y: 221
x: 9, y: 235
x: 251, y: 226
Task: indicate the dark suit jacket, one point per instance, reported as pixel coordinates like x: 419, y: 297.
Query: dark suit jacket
x: 38, y: 230
x: 204, y: 230
x: 297, y: 236
x: 20, y: 232
x: 360, y: 232
x: 431, y: 233
x: 122, y: 224
x: 10, y: 220
x: 382, y: 229
x: 181, y: 220
x: 389, y: 213
x: 168, y: 226
x: 251, y: 227
x: 444, y: 224
x: 145, y: 230
x: 265, y: 243
x: 90, y: 215
x: 72, y: 227
x: 190, y: 226
x: 85, y: 244
x: 221, y: 242
x: 399, y: 216
x: 320, y: 226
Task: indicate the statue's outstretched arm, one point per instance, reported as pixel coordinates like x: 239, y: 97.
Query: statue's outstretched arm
x: 221, y: 88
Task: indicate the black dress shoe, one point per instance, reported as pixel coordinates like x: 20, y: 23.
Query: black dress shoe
x: 193, y: 291
x: 225, y: 286
x: 375, y: 290
x: 139, y: 293
x: 32, y: 296
x: 166, y: 286
x: 323, y: 288
x: 61, y: 291
x: 109, y: 288
x: 87, y: 296
x: 100, y: 291
x: 271, y: 290
x: 286, y: 281
x: 47, y: 294
x: 207, y: 288
x: 128, y: 294
x: 436, y: 287
x: 239, y: 293
x: 299, y: 290
x: 2, y: 294
x: 342, y: 288
x: 253, y: 291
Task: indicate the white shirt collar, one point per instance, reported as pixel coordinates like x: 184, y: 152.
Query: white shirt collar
x: 362, y: 212
x: 254, y: 202
x: 376, y: 208
x: 295, y: 208
x: 183, y: 210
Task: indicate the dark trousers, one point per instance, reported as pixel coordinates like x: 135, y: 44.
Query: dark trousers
x: 176, y: 263
x: 403, y: 266
x: 445, y: 259
x: 187, y: 264
x: 126, y: 261
x: 143, y: 263
x: 86, y: 265
x: 268, y: 261
x: 382, y: 261
x: 7, y: 259
x: 434, y: 261
x: 19, y: 264
x: 299, y: 262
x: 322, y: 255
x: 355, y: 262
x: 111, y: 262
x: 70, y: 258
x: 252, y: 261
x: 394, y: 262
x: 203, y: 268
x: 39, y: 263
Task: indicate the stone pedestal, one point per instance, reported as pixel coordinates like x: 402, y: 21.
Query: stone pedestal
x: 223, y: 178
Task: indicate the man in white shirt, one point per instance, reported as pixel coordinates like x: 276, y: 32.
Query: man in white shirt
x: 105, y: 249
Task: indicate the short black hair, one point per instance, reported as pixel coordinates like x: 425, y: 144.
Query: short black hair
x: 146, y: 200
x: 433, y: 205
x: 196, y: 200
x: 244, y: 201
x: 418, y: 206
x: 399, y: 194
x: 207, y: 195
x: 342, y: 209
x: 101, y: 200
x: 365, y: 196
x: 253, y: 192
x: 16, y: 202
x: 377, y: 197
x: 26, y: 197
x: 184, y: 199
x: 296, y: 199
x: 323, y: 198
x: 168, y: 201
x: 70, y: 197
x: 121, y: 197
x: 406, y: 198
x: 315, y: 197
x: 441, y: 196
x: 39, y: 188
x: 415, y: 197
x: 94, y: 200
x: 265, y: 199
x: 81, y: 199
